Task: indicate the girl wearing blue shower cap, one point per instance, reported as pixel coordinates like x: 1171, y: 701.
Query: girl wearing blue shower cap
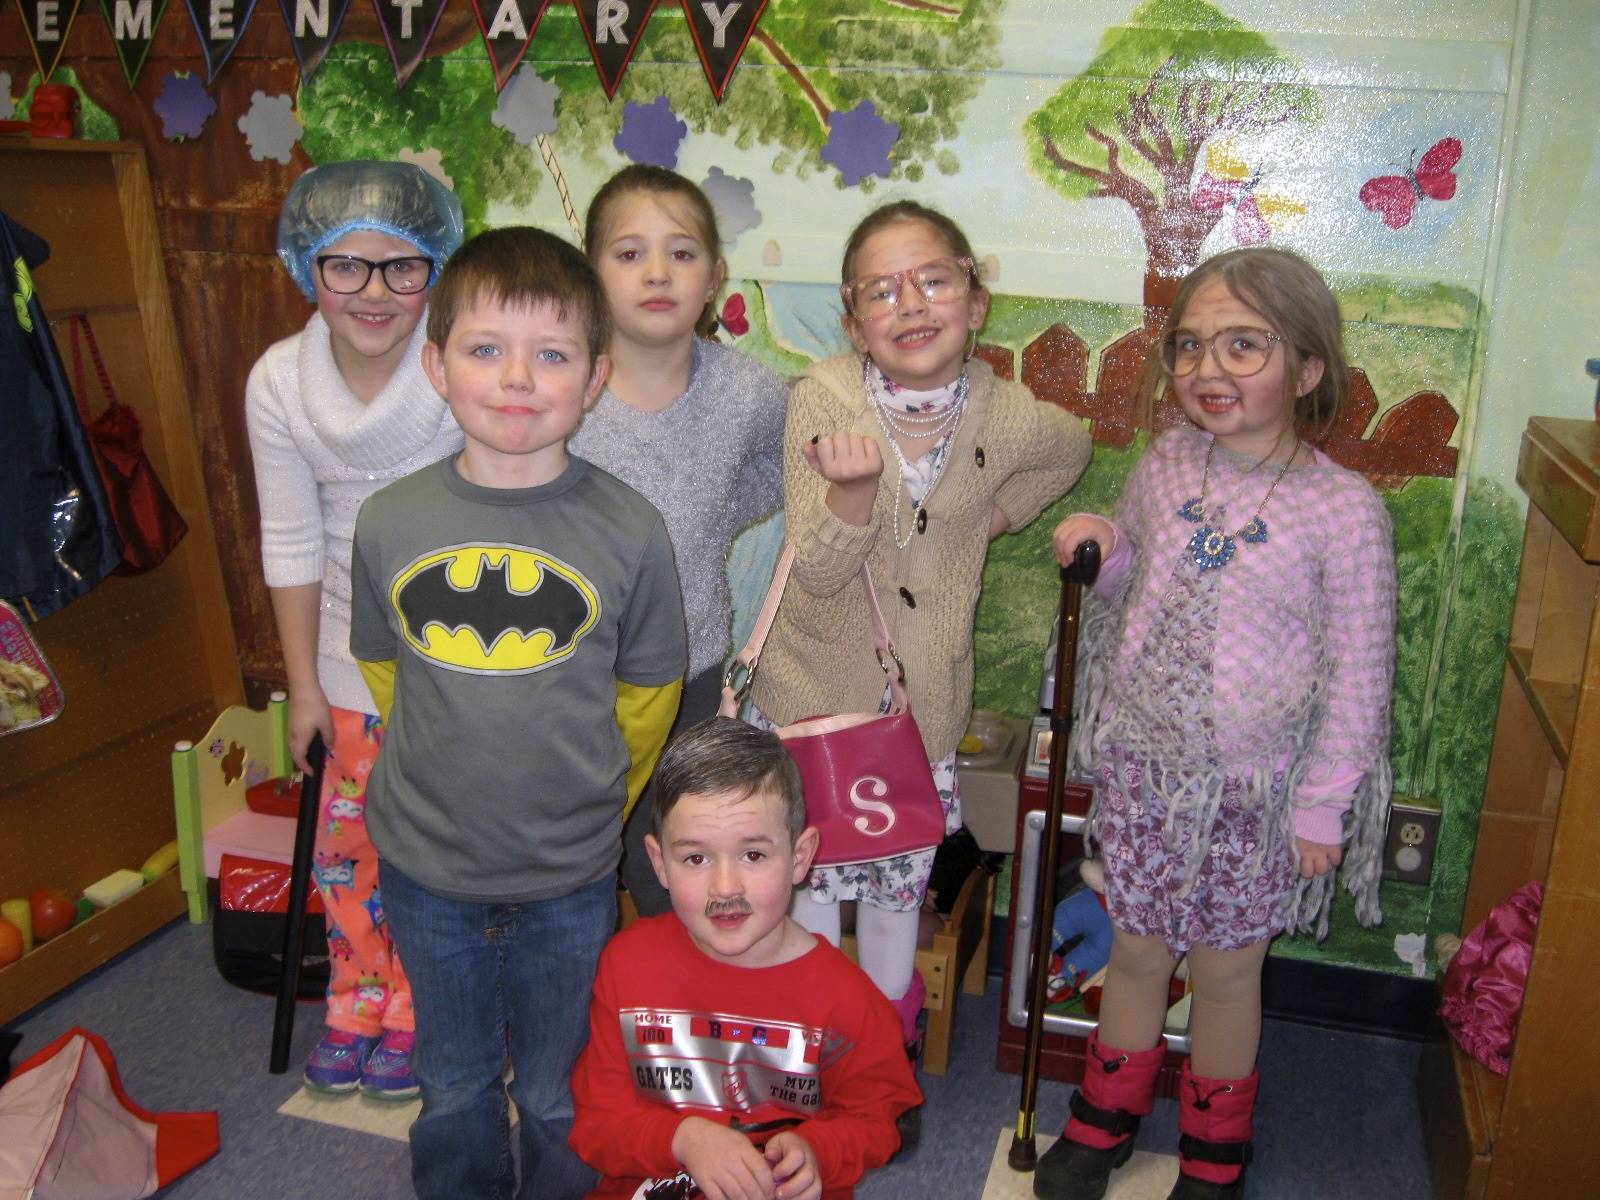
x: 335, y: 412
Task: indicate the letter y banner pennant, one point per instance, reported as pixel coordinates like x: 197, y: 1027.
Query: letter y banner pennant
x: 722, y: 29
x: 220, y: 24
x: 47, y: 22
x: 612, y: 29
x: 510, y: 27
x: 408, y: 27
x: 133, y: 30
x: 313, y: 24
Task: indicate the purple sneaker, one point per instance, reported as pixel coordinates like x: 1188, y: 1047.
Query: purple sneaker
x: 388, y: 1072
x: 335, y: 1065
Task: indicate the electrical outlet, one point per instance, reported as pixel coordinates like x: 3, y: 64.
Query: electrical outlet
x: 1413, y: 838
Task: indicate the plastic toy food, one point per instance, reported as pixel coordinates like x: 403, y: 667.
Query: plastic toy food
x: 10, y: 943
x: 159, y: 863
x: 16, y: 912
x: 52, y: 912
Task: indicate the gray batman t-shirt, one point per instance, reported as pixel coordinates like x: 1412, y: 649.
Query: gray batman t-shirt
x: 512, y: 613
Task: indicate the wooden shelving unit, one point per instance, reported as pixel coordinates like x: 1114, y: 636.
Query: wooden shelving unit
x: 1531, y: 1133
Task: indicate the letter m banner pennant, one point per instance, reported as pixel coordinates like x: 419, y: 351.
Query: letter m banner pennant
x: 612, y: 29
x: 722, y: 29
x: 133, y: 29
x: 509, y: 28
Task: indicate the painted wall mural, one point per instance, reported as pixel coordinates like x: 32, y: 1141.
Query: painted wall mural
x: 1094, y: 150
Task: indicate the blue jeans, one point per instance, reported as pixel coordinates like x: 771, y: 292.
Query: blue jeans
x: 484, y: 976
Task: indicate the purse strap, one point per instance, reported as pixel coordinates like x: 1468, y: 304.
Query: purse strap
x: 749, y: 658
x: 74, y: 323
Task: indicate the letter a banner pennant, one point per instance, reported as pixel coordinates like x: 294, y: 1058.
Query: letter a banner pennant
x: 133, y: 28
x: 220, y: 24
x: 408, y: 27
x: 722, y: 29
x: 612, y: 28
x: 47, y: 22
x: 313, y: 24
x: 509, y: 28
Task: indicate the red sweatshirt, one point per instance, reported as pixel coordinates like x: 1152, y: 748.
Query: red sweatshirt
x: 810, y: 1045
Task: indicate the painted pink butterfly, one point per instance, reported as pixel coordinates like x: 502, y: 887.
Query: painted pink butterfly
x: 1227, y: 180
x: 1394, y: 197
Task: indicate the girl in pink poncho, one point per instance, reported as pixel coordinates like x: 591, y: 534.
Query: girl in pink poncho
x: 1234, y: 707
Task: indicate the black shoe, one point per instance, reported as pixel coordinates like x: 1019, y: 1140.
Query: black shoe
x: 1072, y: 1171
x: 909, y: 1123
x: 1190, y: 1188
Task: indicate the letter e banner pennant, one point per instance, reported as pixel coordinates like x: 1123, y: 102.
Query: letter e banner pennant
x: 220, y: 24
x: 509, y: 28
x: 313, y: 24
x: 47, y: 22
x: 612, y: 28
x: 133, y: 28
x: 722, y: 29
x: 408, y: 27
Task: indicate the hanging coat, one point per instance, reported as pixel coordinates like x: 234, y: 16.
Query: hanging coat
x: 57, y: 537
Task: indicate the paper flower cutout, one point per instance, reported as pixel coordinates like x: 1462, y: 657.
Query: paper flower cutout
x: 859, y: 142
x: 733, y: 317
x: 270, y: 128
x: 8, y: 102
x: 430, y: 161
x: 183, y: 106
x: 527, y: 106
x: 734, y: 201
x: 650, y: 133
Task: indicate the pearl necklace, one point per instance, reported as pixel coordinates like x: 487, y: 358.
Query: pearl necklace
x: 942, y: 425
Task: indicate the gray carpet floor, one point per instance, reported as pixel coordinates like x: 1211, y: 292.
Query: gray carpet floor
x: 1337, y: 1117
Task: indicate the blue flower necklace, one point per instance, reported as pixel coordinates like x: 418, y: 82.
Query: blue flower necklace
x: 1212, y: 547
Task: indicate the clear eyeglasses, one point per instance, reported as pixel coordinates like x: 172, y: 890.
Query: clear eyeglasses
x: 940, y: 281
x: 1239, y: 352
x: 345, y: 274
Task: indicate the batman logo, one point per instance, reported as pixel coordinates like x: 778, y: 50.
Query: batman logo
x: 493, y: 610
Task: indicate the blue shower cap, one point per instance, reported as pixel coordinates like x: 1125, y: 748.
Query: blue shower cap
x: 334, y: 199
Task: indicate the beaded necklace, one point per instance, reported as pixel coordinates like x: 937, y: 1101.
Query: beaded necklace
x: 1212, y: 548
x: 941, y: 423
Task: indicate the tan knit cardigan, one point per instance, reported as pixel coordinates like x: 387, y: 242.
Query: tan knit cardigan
x: 1011, y: 451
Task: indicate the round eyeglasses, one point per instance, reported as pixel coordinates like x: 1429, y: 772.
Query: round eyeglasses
x: 1239, y: 352
x: 345, y: 274
x: 877, y: 296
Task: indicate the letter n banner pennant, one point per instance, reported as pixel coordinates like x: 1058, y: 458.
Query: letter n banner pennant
x: 313, y: 24
x: 220, y: 24
x: 612, y: 28
x: 408, y: 27
x: 133, y: 28
x: 722, y: 29
x: 47, y: 22
x: 509, y: 28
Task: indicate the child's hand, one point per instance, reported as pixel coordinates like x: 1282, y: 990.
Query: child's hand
x: 794, y: 1166
x: 1080, y: 528
x: 309, y: 715
x: 852, y: 463
x: 722, y: 1162
x: 1317, y: 858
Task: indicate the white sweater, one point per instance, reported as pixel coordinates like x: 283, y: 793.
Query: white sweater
x: 319, y: 452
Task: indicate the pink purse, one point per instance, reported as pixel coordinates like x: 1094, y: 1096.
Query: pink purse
x: 869, y: 787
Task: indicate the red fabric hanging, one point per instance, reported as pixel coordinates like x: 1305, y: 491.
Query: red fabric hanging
x: 1485, y: 982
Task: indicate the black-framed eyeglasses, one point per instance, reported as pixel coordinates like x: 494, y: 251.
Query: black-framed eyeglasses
x: 1240, y: 352
x: 345, y: 274
x: 873, y: 297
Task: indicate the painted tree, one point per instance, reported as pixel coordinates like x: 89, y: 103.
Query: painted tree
x: 1205, y: 77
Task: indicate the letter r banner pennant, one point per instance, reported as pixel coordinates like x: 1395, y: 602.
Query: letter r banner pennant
x: 408, y: 27
x: 612, y: 29
x: 313, y: 25
x: 722, y: 29
x: 47, y: 22
x: 133, y: 29
x: 509, y: 28
x: 220, y: 24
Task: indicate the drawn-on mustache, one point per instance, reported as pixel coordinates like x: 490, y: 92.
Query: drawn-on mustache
x: 728, y: 908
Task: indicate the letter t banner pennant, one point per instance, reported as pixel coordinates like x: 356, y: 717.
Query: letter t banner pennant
x: 133, y: 29
x: 509, y: 28
x: 47, y: 22
x: 722, y: 29
x: 220, y: 24
x: 313, y: 24
x: 408, y: 27
x: 612, y: 28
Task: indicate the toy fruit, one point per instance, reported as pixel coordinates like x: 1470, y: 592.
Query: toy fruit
x: 10, y: 943
x: 16, y: 911
x: 159, y: 863
x: 52, y: 911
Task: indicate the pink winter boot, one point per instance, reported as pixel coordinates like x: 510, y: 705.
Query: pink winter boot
x: 1118, y: 1088
x: 1214, y: 1119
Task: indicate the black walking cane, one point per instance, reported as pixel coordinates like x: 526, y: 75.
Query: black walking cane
x: 1023, y: 1155
x: 305, y: 836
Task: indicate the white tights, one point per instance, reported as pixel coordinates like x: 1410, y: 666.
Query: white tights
x: 886, y: 942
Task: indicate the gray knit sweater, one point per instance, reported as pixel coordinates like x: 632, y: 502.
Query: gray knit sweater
x: 711, y: 462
